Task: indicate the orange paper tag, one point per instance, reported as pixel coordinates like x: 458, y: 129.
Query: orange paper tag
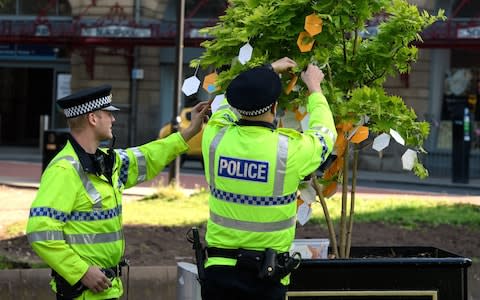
x: 209, y: 82
x: 360, y: 135
x: 305, y: 41
x: 291, y: 84
x: 330, y: 190
x: 313, y: 24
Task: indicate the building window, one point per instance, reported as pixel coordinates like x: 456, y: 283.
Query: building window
x: 36, y: 7
x: 9, y: 7
x: 205, y: 9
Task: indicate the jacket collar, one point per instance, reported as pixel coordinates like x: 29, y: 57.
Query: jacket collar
x: 86, y: 159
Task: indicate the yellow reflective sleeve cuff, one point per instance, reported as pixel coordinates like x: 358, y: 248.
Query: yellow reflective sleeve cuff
x: 159, y: 153
x: 321, y: 118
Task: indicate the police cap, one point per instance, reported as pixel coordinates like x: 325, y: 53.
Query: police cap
x: 253, y: 92
x: 87, y: 100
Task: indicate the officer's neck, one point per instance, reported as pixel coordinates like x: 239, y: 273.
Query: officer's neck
x: 266, y: 117
x: 86, y: 140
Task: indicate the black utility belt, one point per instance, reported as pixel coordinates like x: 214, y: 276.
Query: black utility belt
x: 268, y: 264
x: 238, y: 253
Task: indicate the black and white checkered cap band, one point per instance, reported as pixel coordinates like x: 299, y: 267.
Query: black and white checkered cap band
x: 254, y: 112
x: 87, y: 107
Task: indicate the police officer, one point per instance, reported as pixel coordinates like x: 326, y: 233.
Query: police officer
x: 75, y: 222
x: 253, y: 170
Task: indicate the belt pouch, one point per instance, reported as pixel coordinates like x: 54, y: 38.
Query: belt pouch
x: 249, y: 260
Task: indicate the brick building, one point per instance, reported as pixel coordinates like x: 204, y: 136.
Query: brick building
x: 51, y: 47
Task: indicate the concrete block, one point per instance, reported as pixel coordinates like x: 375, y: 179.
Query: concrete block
x: 156, y: 282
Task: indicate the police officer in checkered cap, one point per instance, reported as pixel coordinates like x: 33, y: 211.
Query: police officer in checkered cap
x: 75, y: 222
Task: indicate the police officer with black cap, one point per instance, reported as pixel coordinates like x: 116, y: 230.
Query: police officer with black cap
x: 253, y: 170
x: 75, y: 222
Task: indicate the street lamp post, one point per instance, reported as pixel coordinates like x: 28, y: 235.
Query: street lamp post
x: 174, y: 173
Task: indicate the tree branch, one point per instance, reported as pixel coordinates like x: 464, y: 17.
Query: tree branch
x: 328, y: 219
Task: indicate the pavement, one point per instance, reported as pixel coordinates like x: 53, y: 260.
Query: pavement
x: 22, y: 167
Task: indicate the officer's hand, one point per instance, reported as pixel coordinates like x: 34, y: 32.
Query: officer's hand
x: 199, y: 116
x: 312, y: 77
x: 95, y: 280
x: 283, y: 64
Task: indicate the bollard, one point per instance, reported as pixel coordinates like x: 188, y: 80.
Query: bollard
x: 188, y: 287
x: 43, y: 127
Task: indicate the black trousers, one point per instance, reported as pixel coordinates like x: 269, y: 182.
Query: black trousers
x: 225, y: 282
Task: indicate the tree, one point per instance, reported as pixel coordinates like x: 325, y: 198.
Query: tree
x: 358, y: 43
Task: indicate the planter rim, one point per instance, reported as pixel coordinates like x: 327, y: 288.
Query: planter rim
x: 442, y: 258
x: 413, y: 261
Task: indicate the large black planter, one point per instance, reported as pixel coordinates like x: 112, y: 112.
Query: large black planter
x: 383, y: 273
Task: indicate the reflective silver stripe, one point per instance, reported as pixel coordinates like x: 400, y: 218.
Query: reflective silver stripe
x: 87, y: 184
x: 281, y: 168
x: 325, y: 130
x: 93, y: 238
x: 41, y: 236
x: 142, y: 165
x: 211, y: 154
x: 252, y: 226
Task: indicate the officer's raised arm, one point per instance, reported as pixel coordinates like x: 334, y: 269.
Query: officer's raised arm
x: 321, y: 126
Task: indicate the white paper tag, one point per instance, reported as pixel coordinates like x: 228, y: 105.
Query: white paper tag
x: 397, y: 137
x: 304, y: 213
x: 408, y: 159
x: 308, y: 194
x: 245, y: 53
x: 217, y: 101
x: 191, y: 85
x: 381, y: 142
x: 304, y: 122
x: 363, y: 120
x: 289, y: 120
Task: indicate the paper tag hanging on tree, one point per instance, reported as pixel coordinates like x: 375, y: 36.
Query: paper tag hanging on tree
x: 191, y: 85
x: 305, y: 121
x: 329, y: 190
x: 304, y: 213
x: 360, y: 135
x: 289, y: 120
x: 408, y: 159
x: 217, y: 102
x: 381, y: 142
x: 209, y: 82
x: 308, y: 194
x: 313, y: 24
x: 305, y: 41
x: 363, y: 120
x: 291, y: 84
x: 245, y: 53
x: 397, y: 137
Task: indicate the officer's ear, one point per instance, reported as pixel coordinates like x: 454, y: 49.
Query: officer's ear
x: 273, y: 110
x: 91, y: 118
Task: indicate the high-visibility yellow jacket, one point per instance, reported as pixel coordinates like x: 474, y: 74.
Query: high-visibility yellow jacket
x: 254, y: 172
x: 76, y: 218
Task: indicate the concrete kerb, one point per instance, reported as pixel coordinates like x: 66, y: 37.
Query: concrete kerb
x: 152, y: 282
